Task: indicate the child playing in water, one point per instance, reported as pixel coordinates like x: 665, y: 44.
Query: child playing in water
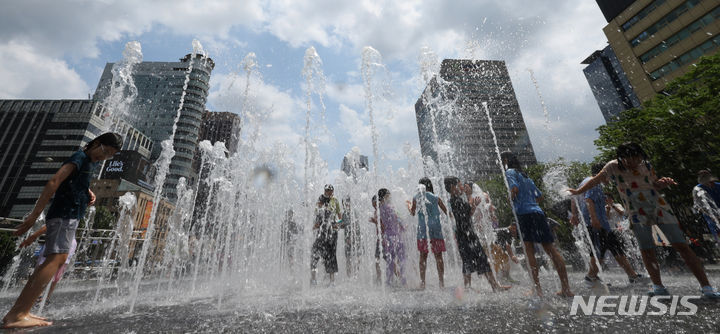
x: 374, y: 220
x: 474, y: 259
x: 325, y: 245
x: 706, y: 200
x: 603, y: 237
x: 393, y: 247
x: 639, y: 187
x: 71, y: 187
x: 533, y: 225
x: 432, y: 206
x: 41, y: 257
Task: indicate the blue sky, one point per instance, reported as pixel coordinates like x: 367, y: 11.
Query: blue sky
x: 58, y: 50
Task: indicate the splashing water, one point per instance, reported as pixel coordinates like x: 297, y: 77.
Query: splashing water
x: 315, y: 84
x: 163, y: 165
x: 122, y: 88
x: 542, y: 101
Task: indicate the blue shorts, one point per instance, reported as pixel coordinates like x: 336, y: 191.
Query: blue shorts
x: 534, y: 228
x: 60, y: 235
x: 643, y: 234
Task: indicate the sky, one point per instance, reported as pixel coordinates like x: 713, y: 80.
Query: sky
x: 58, y: 49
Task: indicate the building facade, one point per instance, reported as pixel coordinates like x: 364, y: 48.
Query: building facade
x: 657, y: 41
x: 610, y: 86
x: 108, y: 192
x: 352, y: 163
x: 221, y: 126
x: 164, y: 88
x: 453, y: 125
x: 37, y: 137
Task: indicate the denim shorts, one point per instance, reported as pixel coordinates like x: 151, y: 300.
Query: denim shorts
x: 60, y: 235
x: 534, y: 228
x: 643, y: 234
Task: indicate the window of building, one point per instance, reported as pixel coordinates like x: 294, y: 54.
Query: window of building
x: 680, y: 35
x: 687, y: 58
x: 641, y: 14
x: 664, y: 21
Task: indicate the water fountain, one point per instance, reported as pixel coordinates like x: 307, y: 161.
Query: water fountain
x: 223, y: 264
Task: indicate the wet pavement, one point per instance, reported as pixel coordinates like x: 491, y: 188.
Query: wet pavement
x: 349, y: 307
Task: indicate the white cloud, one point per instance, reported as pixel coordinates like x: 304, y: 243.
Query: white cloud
x: 27, y: 74
x: 74, y: 28
x: 275, y: 112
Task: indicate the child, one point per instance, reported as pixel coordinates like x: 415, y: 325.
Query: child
x: 532, y: 223
x: 41, y: 257
x: 71, y: 187
x: 706, y: 200
x: 373, y: 220
x: 433, y: 205
x: 472, y: 253
x: 352, y: 237
x: 325, y: 244
x: 603, y: 238
x: 393, y: 246
x: 615, y: 213
x: 639, y: 186
x: 502, y: 253
x: 289, y: 236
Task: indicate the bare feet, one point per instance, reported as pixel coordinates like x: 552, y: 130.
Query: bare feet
x: 25, y: 322
x: 422, y: 286
x: 34, y: 316
x: 565, y: 293
x: 502, y: 288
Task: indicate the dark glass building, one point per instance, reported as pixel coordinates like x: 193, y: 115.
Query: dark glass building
x: 453, y: 125
x: 609, y: 85
x: 160, y: 88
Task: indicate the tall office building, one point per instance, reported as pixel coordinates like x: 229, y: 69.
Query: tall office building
x: 160, y: 91
x: 37, y: 136
x: 221, y: 126
x: 610, y: 86
x: 353, y: 162
x: 453, y: 125
x: 657, y: 41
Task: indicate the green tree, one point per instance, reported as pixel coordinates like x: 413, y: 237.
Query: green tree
x: 104, y: 219
x: 495, y: 187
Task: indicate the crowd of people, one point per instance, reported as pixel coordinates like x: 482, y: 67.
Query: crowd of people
x: 631, y: 174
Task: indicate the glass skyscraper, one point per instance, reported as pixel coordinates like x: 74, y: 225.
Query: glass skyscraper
x: 160, y: 90
x: 453, y: 125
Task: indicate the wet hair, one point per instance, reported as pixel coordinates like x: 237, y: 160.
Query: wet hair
x: 450, y: 181
x: 629, y: 150
x: 596, y: 168
x: 511, y: 161
x: 382, y: 193
x: 427, y: 183
x: 109, y: 139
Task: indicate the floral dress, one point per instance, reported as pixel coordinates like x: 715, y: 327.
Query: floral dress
x: 643, y: 203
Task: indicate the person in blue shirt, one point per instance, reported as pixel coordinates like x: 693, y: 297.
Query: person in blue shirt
x: 592, y: 206
x: 431, y: 209
x: 71, y: 187
x: 532, y: 223
x: 706, y: 198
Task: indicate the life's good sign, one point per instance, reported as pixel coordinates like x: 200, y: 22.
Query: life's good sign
x: 114, y: 167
